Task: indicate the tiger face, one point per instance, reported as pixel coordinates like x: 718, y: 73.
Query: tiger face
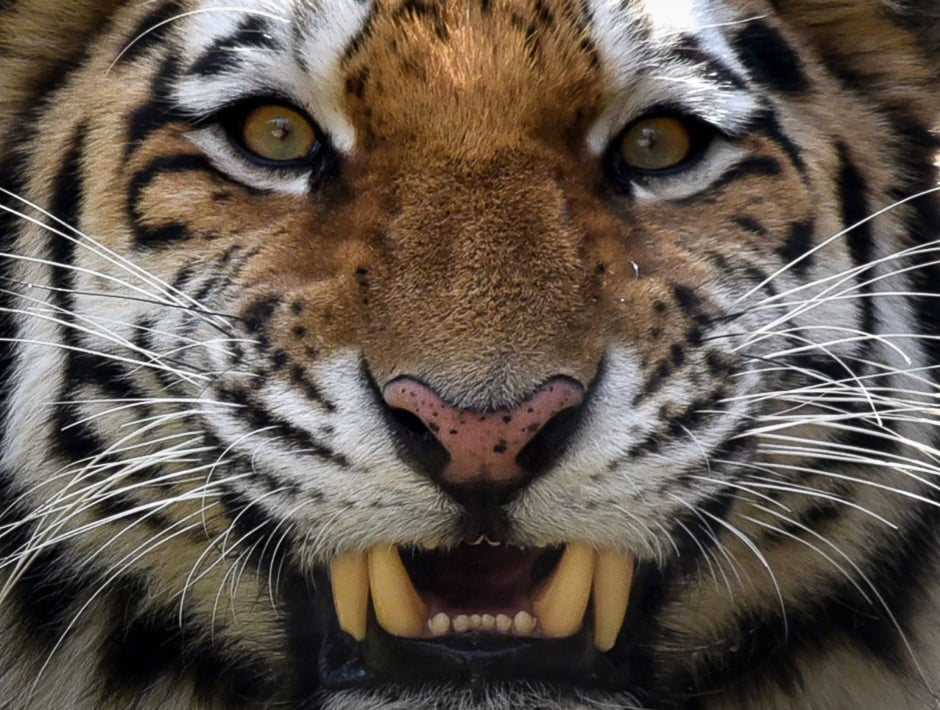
x: 506, y: 353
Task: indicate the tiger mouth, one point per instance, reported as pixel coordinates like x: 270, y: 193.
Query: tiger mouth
x: 483, y: 588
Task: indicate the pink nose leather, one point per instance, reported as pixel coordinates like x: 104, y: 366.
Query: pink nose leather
x: 483, y: 446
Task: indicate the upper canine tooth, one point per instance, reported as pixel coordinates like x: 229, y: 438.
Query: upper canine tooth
x: 398, y: 606
x: 349, y: 578
x: 613, y: 577
x: 561, y: 601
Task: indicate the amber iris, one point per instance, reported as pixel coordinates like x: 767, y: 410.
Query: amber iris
x: 654, y: 144
x: 278, y: 133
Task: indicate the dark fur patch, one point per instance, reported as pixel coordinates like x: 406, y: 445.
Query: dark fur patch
x: 772, y: 61
x: 151, y: 31
x: 853, y: 196
x: 147, y: 646
x: 158, y: 112
x: 798, y: 243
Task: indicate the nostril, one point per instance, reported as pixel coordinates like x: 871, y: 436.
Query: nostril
x: 550, y: 442
x: 417, y: 443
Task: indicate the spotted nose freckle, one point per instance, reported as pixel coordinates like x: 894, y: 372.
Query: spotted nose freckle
x: 483, y: 445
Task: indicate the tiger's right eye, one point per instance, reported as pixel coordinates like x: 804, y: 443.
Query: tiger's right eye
x: 658, y: 146
x: 657, y: 143
x: 278, y: 134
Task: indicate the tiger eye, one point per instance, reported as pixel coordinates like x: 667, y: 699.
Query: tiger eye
x: 278, y: 133
x: 656, y: 144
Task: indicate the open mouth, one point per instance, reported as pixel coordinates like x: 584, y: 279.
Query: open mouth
x: 484, y: 588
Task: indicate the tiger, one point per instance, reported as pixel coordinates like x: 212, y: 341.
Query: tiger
x: 425, y: 355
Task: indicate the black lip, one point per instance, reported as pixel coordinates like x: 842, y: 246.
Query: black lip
x: 470, y: 659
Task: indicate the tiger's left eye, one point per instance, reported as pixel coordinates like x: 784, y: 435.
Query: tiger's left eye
x: 278, y: 134
x: 655, y: 144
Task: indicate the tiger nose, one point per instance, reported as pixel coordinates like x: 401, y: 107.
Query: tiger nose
x: 484, y: 447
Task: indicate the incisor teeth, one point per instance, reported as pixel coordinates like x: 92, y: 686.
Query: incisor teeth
x: 613, y: 576
x: 461, y: 623
x: 398, y: 606
x: 488, y: 622
x: 561, y: 601
x: 349, y: 578
x: 503, y: 623
x: 524, y: 623
x: 439, y: 625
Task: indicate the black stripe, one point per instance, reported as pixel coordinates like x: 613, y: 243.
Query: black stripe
x: 49, y: 592
x: 695, y: 532
x: 769, y: 124
x: 798, y: 242
x: 171, y: 232
x: 853, y: 198
x: 815, y: 516
x: 758, y: 166
x: 12, y: 178
x: 299, y: 377
x: 151, y: 31
x: 751, y: 224
x: 17, y: 529
x: 66, y: 204
x: 224, y: 55
x: 158, y: 112
x: 762, y: 648
x: 259, y: 418
x: 147, y: 647
x: 75, y: 441
x: 770, y: 58
x: 689, y: 49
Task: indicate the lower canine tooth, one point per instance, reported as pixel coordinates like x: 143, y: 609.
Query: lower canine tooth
x: 349, y: 578
x: 613, y: 577
x: 398, y: 606
x: 562, y: 600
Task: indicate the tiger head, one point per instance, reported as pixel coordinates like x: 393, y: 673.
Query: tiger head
x: 500, y: 353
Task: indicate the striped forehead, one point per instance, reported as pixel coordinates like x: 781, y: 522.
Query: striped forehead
x: 653, y: 53
x: 279, y: 48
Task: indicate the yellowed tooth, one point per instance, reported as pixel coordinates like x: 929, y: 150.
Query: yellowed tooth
x: 613, y: 577
x: 503, y: 623
x: 562, y: 599
x: 524, y: 623
x: 398, y: 606
x: 439, y: 625
x: 349, y: 577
